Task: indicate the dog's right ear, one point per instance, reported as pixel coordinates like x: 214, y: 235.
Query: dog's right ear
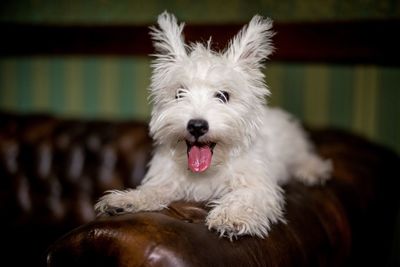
x: 167, y: 38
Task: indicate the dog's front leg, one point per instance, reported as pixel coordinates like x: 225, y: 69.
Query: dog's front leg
x: 159, y: 188
x: 247, y: 211
x: 145, y: 198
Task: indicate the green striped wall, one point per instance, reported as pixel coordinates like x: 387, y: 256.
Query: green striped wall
x: 90, y: 87
x: 364, y: 99
x: 361, y: 98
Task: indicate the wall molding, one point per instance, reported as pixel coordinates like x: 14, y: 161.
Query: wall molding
x: 348, y: 42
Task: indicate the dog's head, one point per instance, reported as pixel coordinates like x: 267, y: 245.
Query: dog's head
x: 207, y: 105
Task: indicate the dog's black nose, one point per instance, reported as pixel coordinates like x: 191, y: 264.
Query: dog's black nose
x: 197, y: 127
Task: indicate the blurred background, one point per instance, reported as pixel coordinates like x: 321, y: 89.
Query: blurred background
x: 336, y: 63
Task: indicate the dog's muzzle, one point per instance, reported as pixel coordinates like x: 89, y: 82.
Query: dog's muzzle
x: 199, y: 153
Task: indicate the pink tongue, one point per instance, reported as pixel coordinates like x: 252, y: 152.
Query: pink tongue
x: 199, y: 158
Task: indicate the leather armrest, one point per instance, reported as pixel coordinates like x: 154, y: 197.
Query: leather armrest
x: 326, y: 225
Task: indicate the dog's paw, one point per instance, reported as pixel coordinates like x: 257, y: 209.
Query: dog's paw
x: 233, y: 223
x: 115, y: 202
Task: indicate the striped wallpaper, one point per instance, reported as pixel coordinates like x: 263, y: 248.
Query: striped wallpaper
x: 361, y: 98
x: 76, y: 86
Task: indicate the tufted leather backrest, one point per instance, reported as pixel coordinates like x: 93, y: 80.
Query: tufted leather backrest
x: 52, y: 170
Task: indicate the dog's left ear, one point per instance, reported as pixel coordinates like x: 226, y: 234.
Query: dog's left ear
x: 253, y: 43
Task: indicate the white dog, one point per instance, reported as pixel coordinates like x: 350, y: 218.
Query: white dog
x: 215, y: 139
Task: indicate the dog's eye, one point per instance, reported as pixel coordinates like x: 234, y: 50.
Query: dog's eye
x: 222, y: 96
x: 180, y: 93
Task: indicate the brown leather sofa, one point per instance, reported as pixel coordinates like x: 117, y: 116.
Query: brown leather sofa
x: 52, y: 171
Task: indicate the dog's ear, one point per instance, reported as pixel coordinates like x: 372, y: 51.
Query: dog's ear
x: 253, y: 43
x: 167, y: 38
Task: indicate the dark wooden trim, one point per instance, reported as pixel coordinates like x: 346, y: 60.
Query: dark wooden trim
x: 364, y: 42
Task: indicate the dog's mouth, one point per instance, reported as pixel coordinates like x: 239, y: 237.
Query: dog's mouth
x: 199, y: 155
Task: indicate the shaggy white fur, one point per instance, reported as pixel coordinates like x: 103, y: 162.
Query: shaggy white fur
x: 215, y: 138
